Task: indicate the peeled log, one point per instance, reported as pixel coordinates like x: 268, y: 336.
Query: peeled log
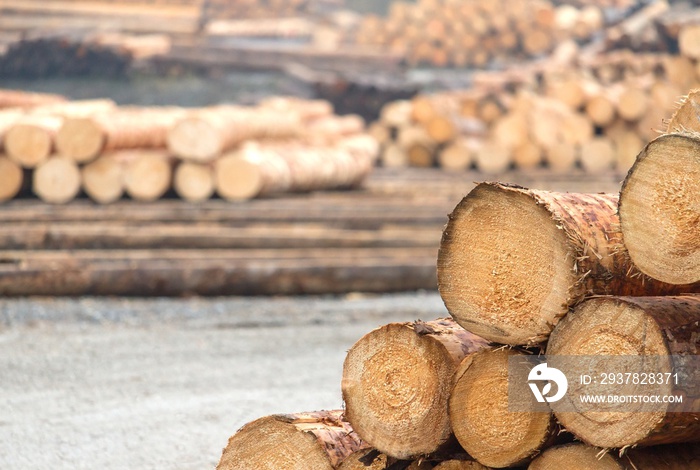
x: 482, y: 423
x: 26, y: 99
x: 11, y: 178
x: 512, y: 260
x: 84, y: 138
x: 194, y: 182
x: 575, y: 457
x: 148, y: 176
x: 57, y: 180
x: 396, y: 383
x: 204, y: 135
x: 598, y: 155
x: 29, y: 141
x: 103, y: 179
x: 643, y: 326
x: 660, y: 209
x: 304, y: 441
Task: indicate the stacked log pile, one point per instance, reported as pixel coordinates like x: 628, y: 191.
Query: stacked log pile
x: 596, y: 115
x: 282, y: 145
x: 525, y: 272
x: 445, y: 33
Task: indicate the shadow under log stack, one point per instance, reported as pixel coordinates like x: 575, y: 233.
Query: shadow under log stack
x: 513, y: 260
x: 643, y: 326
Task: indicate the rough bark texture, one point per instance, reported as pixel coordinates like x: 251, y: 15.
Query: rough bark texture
x: 396, y: 383
x: 687, y: 116
x: 643, y: 326
x: 302, y: 441
x: 660, y: 209
x: 482, y: 423
x: 513, y: 260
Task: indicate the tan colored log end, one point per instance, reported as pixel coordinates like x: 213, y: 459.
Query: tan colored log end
x: 575, y: 457
x: 148, y: 176
x: 80, y: 139
x: 103, y: 179
x: 237, y: 179
x: 194, y: 182
x: 11, y: 178
x: 194, y: 138
x: 57, y: 180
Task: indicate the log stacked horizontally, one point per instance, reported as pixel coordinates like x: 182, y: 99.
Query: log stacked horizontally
x: 534, y: 272
x: 238, y: 152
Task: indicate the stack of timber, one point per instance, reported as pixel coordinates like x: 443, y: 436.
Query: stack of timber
x: 525, y: 272
x: 282, y: 145
x: 143, y: 17
x: 444, y: 33
x: 593, y: 115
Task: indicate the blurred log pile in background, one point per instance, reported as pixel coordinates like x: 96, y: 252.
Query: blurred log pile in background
x: 281, y: 145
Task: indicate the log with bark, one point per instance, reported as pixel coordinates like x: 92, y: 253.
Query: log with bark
x: 396, y: 383
x: 303, y: 441
x: 583, y: 457
x: 482, y: 422
x: 660, y: 209
x: 664, y: 327
x: 512, y: 260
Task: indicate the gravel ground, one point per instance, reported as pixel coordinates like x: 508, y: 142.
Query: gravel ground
x: 162, y: 383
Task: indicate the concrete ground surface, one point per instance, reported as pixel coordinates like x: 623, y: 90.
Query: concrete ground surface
x: 162, y: 383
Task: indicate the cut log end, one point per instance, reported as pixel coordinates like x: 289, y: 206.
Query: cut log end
x: 28, y: 144
x: 482, y: 423
x: 195, y: 139
x: 660, y: 209
x: 575, y: 457
x: 460, y: 465
x: 367, y: 459
x: 314, y: 441
x: 148, y: 176
x: 396, y: 382
x: 194, y: 182
x: 103, y: 180
x: 237, y: 179
x: 11, y: 177
x: 56, y: 181
x: 640, y: 330
x: 80, y: 139
x: 503, y: 268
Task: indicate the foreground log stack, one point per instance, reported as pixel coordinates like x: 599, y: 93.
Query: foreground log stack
x: 283, y: 145
x: 534, y: 272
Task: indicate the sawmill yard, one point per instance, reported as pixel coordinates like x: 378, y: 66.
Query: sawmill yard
x: 349, y: 235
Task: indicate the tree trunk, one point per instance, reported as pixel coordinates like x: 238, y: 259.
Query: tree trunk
x: 84, y: 138
x: 598, y: 155
x: 478, y: 409
x: 396, y: 383
x: 643, y: 326
x: 11, y: 178
x: 512, y: 260
x: 25, y: 99
x: 304, y: 441
x: 460, y: 465
x: 660, y: 208
x: 366, y: 459
x: 56, y: 181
